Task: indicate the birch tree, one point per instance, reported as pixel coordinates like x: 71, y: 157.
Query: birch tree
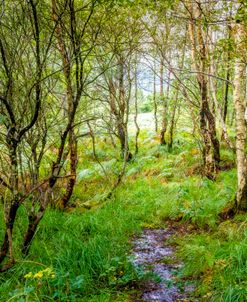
x: 239, y: 97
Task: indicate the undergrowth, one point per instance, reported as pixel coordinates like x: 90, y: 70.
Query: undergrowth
x: 219, y: 261
x: 83, y: 255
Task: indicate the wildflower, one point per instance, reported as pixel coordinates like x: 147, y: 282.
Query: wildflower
x: 47, y: 270
x: 46, y: 273
x: 29, y: 275
x: 38, y: 275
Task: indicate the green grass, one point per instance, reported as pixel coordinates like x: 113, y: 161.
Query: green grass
x: 221, y: 261
x: 88, y: 251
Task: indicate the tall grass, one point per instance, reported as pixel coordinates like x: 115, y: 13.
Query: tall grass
x: 83, y: 255
x: 88, y: 252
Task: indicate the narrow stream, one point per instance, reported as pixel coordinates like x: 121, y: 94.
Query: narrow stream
x: 151, y: 252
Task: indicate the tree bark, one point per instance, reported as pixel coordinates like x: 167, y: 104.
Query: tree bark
x: 118, y: 107
x: 164, y: 100
x: 70, y: 102
x: 211, y: 149
x: 136, y: 114
x: 173, y: 121
x: 240, y: 107
x: 155, y: 102
x: 73, y: 164
x: 225, y: 109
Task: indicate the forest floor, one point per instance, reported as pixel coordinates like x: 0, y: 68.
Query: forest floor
x: 86, y: 254
x: 153, y: 252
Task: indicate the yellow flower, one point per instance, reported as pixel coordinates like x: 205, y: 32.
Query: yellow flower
x: 29, y: 275
x: 46, y: 273
x: 49, y: 273
x: 48, y: 270
x: 38, y: 275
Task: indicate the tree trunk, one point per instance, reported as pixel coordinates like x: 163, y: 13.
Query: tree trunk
x: 176, y: 102
x: 240, y: 107
x: 164, y: 100
x: 172, y: 126
x: 119, y: 110
x: 209, y: 166
x: 225, y: 109
x: 136, y: 115
x: 155, y: 102
x: 33, y: 222
x: 211, y: 149
x: 73, y: 165
x: 70, y: 103
x: 7, y: 242
x: 226, y: 91
x: 13, y: 206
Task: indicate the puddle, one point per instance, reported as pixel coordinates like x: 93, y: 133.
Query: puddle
x: 151, y: 252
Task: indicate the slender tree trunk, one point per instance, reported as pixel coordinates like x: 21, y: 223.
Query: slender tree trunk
x: 209, y: 165
x: 13, y: 206
x: 7, y: 245
x: 136, y: 115
x: 70, y: 103
x: 211, y: 149
x: 155, y: 101
x: 109, y: 128
x: 164, y: 100
x: 225, y: 108
x: 122, y: 125
x: 225, y: 135
x: 176, y: 102
x: 241, y: 109
x: 33, y: 222
x: 173, y: 117
x: 73, y: 165
x: 117, y: 107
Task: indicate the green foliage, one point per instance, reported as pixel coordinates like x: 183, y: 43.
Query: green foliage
x: 146, y: 106
x: 84, y: 255
x: 87, y: 252
x: 221, y: 259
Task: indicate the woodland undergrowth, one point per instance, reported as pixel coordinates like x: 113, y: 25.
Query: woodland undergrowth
x: 82, y: 254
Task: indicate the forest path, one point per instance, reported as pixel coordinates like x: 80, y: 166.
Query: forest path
x: 152, y: 252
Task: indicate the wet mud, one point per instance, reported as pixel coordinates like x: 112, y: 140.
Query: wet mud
x: 154, y: 255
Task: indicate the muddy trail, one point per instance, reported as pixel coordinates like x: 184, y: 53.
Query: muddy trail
x: 152, y: 252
